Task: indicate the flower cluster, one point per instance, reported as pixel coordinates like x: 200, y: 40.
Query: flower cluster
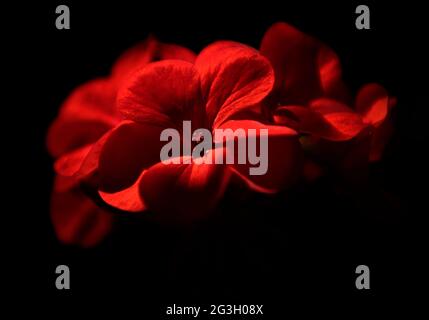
x: 106, y: 137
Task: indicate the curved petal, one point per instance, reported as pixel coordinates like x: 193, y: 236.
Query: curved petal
x: 168, y: 51
x: 84, y: 117
x: 128, y: 199
x: 129, y: 149
x: 83, y: 162
x: 69, y: 134
x: 118, y: 156
x: 163, y: 93
x: 94, y: 99
x: 76, y: 219
x: 148, y: 51
x: 304, y: 67
x: 91, y: 161
x: 134, y: 58
x: 283, y: 159
x: 234, y: 77
x: 177, y: 193
x: 344, y: 120
x: 372, y: 102
x: 68, y: 164
x: 337, y: 126
x: 305, y: 120
x: 326, y: 106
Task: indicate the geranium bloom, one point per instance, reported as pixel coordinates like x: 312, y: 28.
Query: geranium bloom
x: 310, y: 96
x: 86, y: 115
x: 223, y: 89
x: 107, y: 137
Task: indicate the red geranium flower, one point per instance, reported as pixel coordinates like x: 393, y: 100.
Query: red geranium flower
x: 223, y: 89
x: 86, y: 115
x: 106, y: 139
x: 118, y: 153
x: 310, y: 97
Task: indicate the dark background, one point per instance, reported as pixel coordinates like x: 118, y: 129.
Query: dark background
x: 283, y: 254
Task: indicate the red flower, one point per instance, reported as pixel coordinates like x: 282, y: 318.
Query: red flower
x: 223, y: 89
x: 106, y: 139
x: 118, y: 153
x: 86, y: 115
x: 310, y: 97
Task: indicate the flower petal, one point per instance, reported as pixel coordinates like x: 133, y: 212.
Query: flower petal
x: 134, y: 58
x: 304, y: 120
x: 304, y: 67
x: 234, y: 77
x: 129, y: 149
x: 84, y: 117
x: 83, y: 162
x: 128, y: 199
x: 148, y: 51
x: 68, y: 164
x: 372, y: 102
x: 283, y: 157
x: 336, y: 126
x: 163, y: 93
x: 76, y: 219
x: 344, y: 120
x: 177, y: 193
x: 168, y: 51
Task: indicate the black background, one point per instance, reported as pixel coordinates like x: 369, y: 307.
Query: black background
x: 283, y: 254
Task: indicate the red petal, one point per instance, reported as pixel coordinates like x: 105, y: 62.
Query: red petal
x: 234, y: 77
x: 304, y: 67
x: 66, y: 135
x: 92, y: 100
x: 129, y: 149
x: 372, y: 102
x: 91, y: 161
x: 83, y: 162
x: 146, y: 52
x: 134, y: 58
x: 305, y: 120
x: 128, y: 199
x: 326, y: 119
x: 326, y: 106
x: 68, y: 164
x: 168, y: 51
x: 344, y: 120
x: 84, y: 117
x: 284, y: 155
x: 163, y: 93
x: 380, y: 138
x: 177, y: 193
x: 76, y: 219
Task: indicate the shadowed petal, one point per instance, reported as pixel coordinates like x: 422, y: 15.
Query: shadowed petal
x: 130, y: 148
x: 283, y: 157
x: 178, y: 193
x: 372, y: 102
x: 76, y: 219
x: 327, y: 119
x: 304, y: 67
x: 84, y: 117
